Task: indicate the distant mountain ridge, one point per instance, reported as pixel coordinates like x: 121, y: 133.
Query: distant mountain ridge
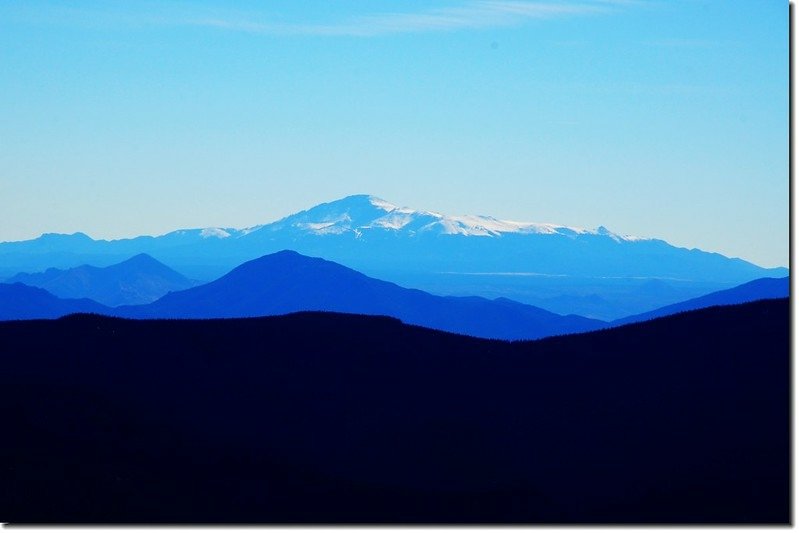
x: 528, y: 262
x: 287, y: 282
x: 138, y: 280
x: 361, y: 213
x: 23, y: 302
x: 369, y: 220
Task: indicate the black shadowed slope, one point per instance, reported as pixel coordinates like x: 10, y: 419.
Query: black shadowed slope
x: 286, y: 282
x: 138, y: 280
x: 338, y: 418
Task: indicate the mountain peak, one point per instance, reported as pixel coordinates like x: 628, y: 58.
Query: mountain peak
x: 141, y: 259
x: 362, y: 198
x: 282, y: 259
x: 77, y: 236
x: 139, y: 279
x: 340, y: 216
x: 287, y: 282
x: 361, y: 201
x: 360, y: 213
x: 145, y: 263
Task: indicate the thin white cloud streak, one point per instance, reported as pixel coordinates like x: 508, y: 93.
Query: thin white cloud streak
x: 474, y: 15
x: 687, y: 43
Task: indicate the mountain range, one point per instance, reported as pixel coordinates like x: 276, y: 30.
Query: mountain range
x: 369, y: 399
x: 597, y: 272
x: 287, y: 282
x: 138, y: 280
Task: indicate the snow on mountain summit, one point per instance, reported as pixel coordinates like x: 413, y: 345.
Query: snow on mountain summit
x: 219, y: 233
x: 359, y: 213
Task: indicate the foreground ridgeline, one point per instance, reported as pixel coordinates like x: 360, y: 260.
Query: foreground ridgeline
x: 318, y: 417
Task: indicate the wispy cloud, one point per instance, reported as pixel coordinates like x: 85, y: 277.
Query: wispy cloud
x: 686, y: 43
x: 465, y: 15
x: 472, y: 15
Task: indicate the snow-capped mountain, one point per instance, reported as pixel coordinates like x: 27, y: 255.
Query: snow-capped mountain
x: 595, y: 273
x: 363, y: 213
x: 359, y: 214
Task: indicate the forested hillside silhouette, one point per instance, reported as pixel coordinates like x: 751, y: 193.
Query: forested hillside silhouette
x: 319, y: 417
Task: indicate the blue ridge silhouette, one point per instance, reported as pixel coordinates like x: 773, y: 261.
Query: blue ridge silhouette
x: 758, y: 289
x: 138, y: 280
x: 430, y: 251
x: 22, y: 302
x: 286, y: 282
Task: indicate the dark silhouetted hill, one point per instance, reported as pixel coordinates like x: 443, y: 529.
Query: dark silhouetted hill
x: 317, y: 417
x: 21, y: 302
x: 287, y: 282
x: 138, y: 280
x: 758, y: 289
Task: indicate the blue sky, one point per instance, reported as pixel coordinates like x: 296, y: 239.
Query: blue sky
x: 655, y: 118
